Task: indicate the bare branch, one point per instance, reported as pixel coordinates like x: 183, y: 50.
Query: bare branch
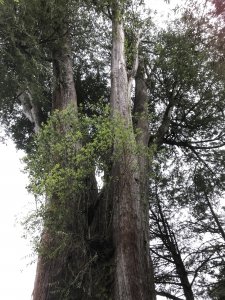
x: 168, y: 295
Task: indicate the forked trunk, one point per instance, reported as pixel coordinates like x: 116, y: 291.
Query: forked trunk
x: 87, y: 272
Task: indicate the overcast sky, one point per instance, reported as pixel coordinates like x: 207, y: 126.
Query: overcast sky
x: 16, y: 277
x: 16, y: 273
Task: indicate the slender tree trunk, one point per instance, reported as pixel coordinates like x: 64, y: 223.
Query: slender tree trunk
x: 215, y: 217
x: 129, y: 231
x: 170, y: 242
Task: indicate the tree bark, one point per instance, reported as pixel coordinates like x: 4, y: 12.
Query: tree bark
x: 215, y: 217
x: 125, y: 203
x: 64, y: 86
x: 129, y: 229
x: 168, y: 240
x: 141, y: 124
x: 54, y: 274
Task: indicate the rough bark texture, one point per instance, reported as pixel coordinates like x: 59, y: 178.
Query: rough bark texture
x: 82, y: 270
x: 64, y: 90
x: 55, y: 274
x: 66, y: 275
x: 109, y: 258
x: 129, y: 231
x: 141, y: 123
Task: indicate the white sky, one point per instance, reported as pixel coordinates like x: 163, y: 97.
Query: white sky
x: 16, y: 278
x: 16, y: 273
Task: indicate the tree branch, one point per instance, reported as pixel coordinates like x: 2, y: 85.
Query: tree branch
x: 187, y: 144
x: 168, y: 295
x: 163, y: 257
x: 133, y: 71
x: 158, y: 138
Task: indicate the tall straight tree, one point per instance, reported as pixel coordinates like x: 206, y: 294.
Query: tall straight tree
x: 130, y: 212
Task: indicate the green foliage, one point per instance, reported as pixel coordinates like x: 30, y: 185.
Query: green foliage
x: 29, y: 31
x: 24, y: 66
x: 67, y: 150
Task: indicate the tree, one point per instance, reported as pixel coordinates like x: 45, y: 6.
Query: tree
x: 127, y: 222
x: 95, y: 241
x: 185, y: 174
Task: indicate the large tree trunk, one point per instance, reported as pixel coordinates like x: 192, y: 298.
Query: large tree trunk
x: 141, y: 123
x: 64, y: 87
x: 82, y: 270
x: 130, y: 215
x: 119, y: 213
x: 57, y: 276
